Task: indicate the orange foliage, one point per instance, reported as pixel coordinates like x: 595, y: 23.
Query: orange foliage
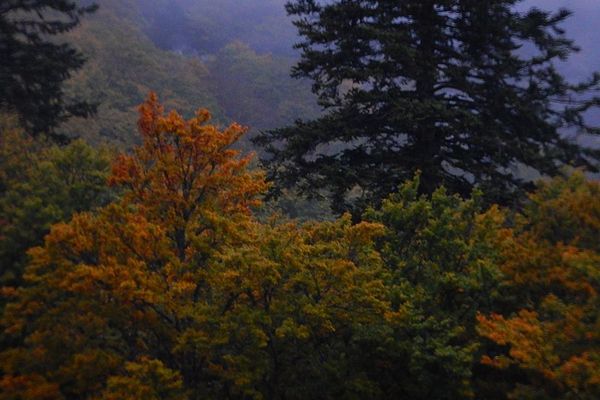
x: 176, y: 289
x: 186, y: 173
x: 110, y: 285
x: 28, y: 387
x: 551, y: 262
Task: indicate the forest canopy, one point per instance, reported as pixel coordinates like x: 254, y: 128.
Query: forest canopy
x: 176, y: 290
x: 430, y: 231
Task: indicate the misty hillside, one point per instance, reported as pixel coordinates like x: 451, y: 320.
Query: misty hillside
x: 232, y: 59
x: 231, y: 56
x: 205, y: 26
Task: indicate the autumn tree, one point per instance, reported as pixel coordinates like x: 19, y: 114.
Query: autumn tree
x: 546, y: 334
x: 294, y: 312
x: 465, y: 91
x: 35, y: 64
x: 177, y: 291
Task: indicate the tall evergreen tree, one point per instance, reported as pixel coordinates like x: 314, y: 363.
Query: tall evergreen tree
x: 34, y: 64
x: 464, y: 90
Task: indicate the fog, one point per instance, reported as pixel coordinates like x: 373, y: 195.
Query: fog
x: 205, y: 26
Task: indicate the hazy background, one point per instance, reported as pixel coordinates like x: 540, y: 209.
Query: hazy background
x: 583, y: 26
x: 230, y: 56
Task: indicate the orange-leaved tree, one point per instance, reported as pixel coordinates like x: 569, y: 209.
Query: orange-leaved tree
x: 111, y: 286
x: 176, y: 291
x: 186, y: 177
x: 547, y: 334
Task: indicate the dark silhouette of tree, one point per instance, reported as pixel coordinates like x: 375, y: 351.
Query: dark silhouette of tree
x: 35, y: 64
x: 464, y: 90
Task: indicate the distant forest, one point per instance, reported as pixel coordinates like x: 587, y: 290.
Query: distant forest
x: 231, y: 57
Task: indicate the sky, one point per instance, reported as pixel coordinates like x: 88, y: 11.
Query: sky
x: 584, y: 28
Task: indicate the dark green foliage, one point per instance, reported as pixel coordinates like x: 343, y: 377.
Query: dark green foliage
x: 463, y: 90
x: 443, y: 271
x: 34, y: 65
x: 41, y: 185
